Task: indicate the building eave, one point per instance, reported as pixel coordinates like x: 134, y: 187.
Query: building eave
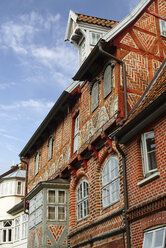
x: 142, y: 120
x: 126, y: 21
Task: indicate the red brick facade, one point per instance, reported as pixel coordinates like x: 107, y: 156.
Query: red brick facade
x: 143, y: 49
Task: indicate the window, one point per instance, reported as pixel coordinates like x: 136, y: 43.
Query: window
x: 110, y: 182
x: 155, y: 238
x: 19, y: 188
x: 56, y: 205
x: 94, y: 38
x: 6, y: 231
x: 17, y: 228
x: 162, y: 27
x: 83, y: 51
x: 108, y: 78
x: 76, y: 134
x: 50, y: 147
x: 95, y: 96
x: 24, y: 226
x: 35, y: 210
x: 83, y: 200
x: 37, y: 157
x: 148, y: 152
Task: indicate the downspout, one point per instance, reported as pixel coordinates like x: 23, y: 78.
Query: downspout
x: 124, y: 73
x: 125, y: 193
x: 26, y: 181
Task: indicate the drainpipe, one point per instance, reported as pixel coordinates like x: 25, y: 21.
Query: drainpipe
x: 122, y: 63
x: 125, y: 193
x: 26, y: 181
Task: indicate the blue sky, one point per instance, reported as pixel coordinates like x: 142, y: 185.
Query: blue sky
x: 36, y: 64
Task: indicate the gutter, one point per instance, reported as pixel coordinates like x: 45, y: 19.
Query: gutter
x: 125, y: 193
x: 122, y: 63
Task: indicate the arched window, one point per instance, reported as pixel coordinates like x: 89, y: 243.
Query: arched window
x: 107, y: 77
x: 110, y: 182
x: 83, y: 200
x: 50, y: 147
x: 37, y: 157
x: 94, y: 96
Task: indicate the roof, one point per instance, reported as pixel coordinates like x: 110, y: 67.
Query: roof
x: 18, y: 173
x: 151, y: 106
x: 127, y: 20
x: 80, y: 18
x: 95, y: 20
x: 17, y: 208
x: 83, y: 72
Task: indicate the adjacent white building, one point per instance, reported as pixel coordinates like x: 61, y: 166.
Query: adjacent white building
x: 13, y: 220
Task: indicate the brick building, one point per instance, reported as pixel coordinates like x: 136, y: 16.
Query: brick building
x: 76, y: 190
x: 143, y: 137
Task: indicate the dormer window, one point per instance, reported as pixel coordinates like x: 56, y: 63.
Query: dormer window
x: 83, y: 51
x: 94, y: 38
x: 162, y: 27
x: 19, y: 188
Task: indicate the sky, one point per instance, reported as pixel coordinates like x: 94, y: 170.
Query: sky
x: 36, y: 63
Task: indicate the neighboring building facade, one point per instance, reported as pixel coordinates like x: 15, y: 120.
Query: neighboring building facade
x: 13, y: 220
x: 72, y: 155
x: 144, y: 138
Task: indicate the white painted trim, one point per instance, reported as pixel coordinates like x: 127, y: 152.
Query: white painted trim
x: 72, y: 17
x: 126, y: 21
x: 149, y: 179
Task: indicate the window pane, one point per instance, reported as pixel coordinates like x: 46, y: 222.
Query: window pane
x: 19, y: 188
x: 107, y: 80
x: 10, y: 235
x: 95, y: 96
x: 51, y: 196
x: 51, y: 213
x: 115, y: 191
x: 148, y: 240
x: 159, y: 236
x: 85, y: 189
x: 152, y: 161
x: 61, y: 196
x: 4, y: 235
x: 61, y: 213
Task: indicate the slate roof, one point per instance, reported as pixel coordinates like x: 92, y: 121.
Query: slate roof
x: 96, y: 20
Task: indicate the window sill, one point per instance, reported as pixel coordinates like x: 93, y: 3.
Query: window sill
x: 149, y: 179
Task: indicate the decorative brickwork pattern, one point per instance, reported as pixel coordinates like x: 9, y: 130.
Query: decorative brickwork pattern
x: 147, y: 22
x: 56, y: 231
x: 162, y: 8
x: 128, y: 40
x: 31, y: 236
x: 146, y: 40
x: 152, y: 8
x: 38, y: 233
x: 137, y: 71
x: 132, y: 99
x: 49, y: 241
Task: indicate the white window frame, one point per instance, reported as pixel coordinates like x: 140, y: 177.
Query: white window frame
x: 95, y: 39
x: 83, y: 200
x: 7, y: 228
x: 37, y: 162
x: 76, y: 134
x: 144, y: 154
x: 153, y: 235
x: 110, y: 179
x: 56, y: 205
x: 17, y: 228
x: 18, y: 188
x: 162, y: 27
x: 24, y: 226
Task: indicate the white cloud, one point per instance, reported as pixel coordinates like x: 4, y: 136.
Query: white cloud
x: 4, y: 86
x: 33, y: 105
x: 10, y: 137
